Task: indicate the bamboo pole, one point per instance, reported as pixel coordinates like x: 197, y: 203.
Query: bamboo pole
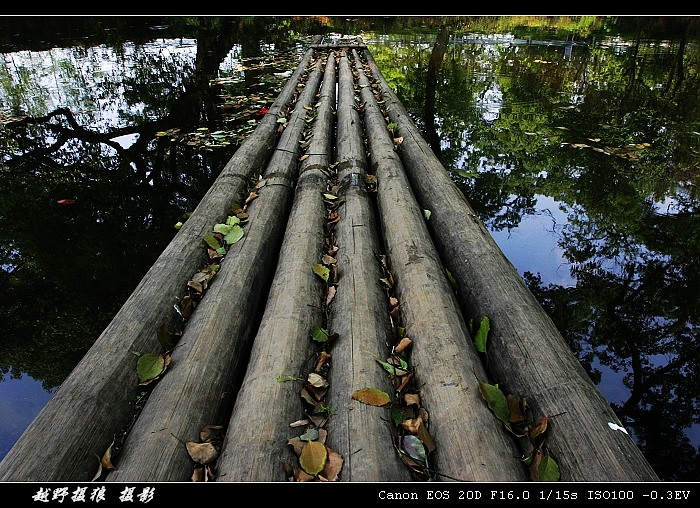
x: 96, y: 402
x: 207, y: 365
x: 359, y: 313
x: 255, y: 446
x: 471, y: 444
x: 528, y: 357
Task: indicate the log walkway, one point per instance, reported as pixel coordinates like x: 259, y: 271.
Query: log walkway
x: 362, y: 272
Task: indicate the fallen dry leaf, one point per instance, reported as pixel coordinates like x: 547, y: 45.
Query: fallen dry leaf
x: 334, y: 464
x: 330, y: 295
x: 250, y: 198
x: 210, y: 433
x: 412, y: 425
x: 403, y: 345
x: 313, y: 457
x: 535, y: 465
x: 516, y: 409
x: 297, y: 445
x: 322, y: 362
x: 317, y: 381
x: 106, y: 461
x: 372, y: 396
x: 302, y: 476
x: 538, y: 430
x: 202, y: 453
x: 198, y: 474
x: 425, y: 437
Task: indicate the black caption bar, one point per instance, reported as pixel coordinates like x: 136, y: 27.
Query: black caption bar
x: 171, y: 494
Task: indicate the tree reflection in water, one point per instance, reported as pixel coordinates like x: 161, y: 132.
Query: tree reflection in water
x: 595, y: 141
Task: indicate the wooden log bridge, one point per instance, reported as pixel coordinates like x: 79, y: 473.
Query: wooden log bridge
x: 333, y: 309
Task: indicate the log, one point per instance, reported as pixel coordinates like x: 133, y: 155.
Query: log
x: 471, y: 444
x: 359, y: 313
x: 200, y: 387
x: 96, y: 401
x: 255, y: 447
x: 528, y: 356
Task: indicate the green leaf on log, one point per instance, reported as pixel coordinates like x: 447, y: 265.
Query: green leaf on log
x: 450, y: 277
x: 234, y: 235
x: 319, y: 334
x: 399, y: 414
x: 149, y: 367
x: 548, y: 470
x: 497, y: 401
x: 482, y: 334
x: 387, y: 366
x: 214, y: 244
x: 322, y: 271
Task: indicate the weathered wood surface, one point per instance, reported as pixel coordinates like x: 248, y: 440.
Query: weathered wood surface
x: 248, y: 331
x: 96, y: 401
x: 471, y: 445
x: 359, y: 313
x: 527, y: 354
x: 255, y: 446
x: 210, y: 357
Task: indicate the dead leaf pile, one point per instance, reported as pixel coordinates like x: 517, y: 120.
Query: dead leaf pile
x: 412, y: 439
x: 516, y: 415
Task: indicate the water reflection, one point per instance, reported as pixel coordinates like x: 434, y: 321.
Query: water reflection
x: 580, y: 157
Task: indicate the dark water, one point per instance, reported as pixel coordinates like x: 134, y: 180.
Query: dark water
x: 578, y: 144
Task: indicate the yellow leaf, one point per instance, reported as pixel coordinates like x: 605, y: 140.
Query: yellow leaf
x: 371, y: 396
x: 321, y: 271
x: 313, y: 457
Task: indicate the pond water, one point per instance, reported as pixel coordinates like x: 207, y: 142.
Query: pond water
x: 578, y: 146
